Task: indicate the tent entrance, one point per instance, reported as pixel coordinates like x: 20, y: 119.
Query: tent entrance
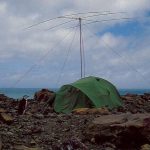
x: 78, y: 99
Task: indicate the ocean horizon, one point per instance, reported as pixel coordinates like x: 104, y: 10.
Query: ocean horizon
x: 18, y: 93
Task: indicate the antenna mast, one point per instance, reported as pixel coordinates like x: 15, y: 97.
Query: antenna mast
x: 80, y: 25
x: 80, y: 19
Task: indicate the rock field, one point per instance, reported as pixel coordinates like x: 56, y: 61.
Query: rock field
x: 40, y: 128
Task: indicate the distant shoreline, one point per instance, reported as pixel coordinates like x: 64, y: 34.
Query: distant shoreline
x: 17, y: 93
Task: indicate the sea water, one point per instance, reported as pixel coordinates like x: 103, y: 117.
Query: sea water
x: 18, y: 93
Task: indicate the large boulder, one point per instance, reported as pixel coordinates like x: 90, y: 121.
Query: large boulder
x: 3, y: 97
x: 44, y: 95
x: 126, y: 131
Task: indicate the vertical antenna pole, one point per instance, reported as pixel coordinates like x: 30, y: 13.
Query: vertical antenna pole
x: 80, y: 45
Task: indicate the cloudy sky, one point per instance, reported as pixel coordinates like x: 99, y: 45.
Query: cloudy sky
x: 43, y: 56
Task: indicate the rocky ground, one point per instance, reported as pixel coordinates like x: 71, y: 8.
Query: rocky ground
x: 40, y: 128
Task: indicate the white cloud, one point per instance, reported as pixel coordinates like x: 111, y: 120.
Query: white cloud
x: 32, y: 45
x: 133, y: 6
x: 112, y: 41
x: 3, y: 7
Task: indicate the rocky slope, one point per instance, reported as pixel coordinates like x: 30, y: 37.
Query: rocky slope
x: 40, y: 128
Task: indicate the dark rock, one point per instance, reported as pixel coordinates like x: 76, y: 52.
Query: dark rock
x: 38, y: 116
x: 147, y: 94
x: 125, y: 130
x: 0, y: 144
x: 44, y: 95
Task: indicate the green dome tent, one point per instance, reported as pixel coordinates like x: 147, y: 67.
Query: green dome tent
x: 89, y: 92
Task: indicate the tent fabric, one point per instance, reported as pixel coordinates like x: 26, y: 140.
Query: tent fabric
x: 89, y: 92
